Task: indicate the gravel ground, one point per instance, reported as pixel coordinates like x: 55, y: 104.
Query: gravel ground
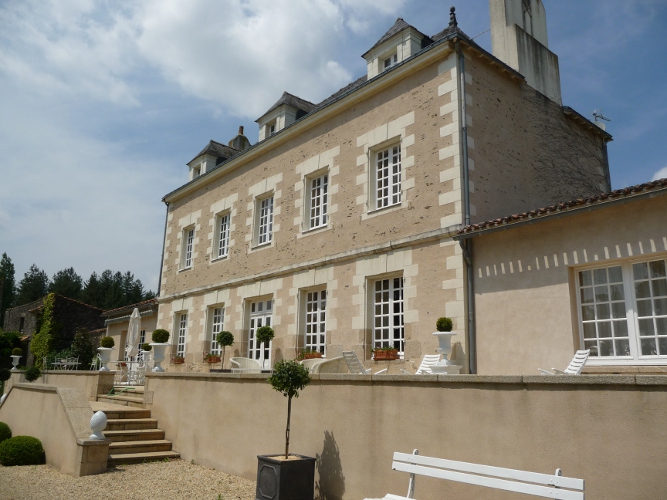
x: 174, y: 480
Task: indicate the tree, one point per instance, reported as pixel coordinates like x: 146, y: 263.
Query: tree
x: 33, y: 286
x: 67, y: 283
x: 83, y: 348
x: 7, y: 285
x: 92, y: 292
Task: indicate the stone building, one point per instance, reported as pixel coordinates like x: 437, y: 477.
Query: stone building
x: 337, y: 228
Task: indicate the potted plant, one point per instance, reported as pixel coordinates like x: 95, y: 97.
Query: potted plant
x: 177, y: 359
x: 17, y: 352
x: 105, y: 349
x: 224, y: 339
x: 444, y: 335
x: 308, y: 353
x: 160, y: 343
x: 211, y: 358
x: 285, y: 476
x: 264, y: 335
x: 385, y: 354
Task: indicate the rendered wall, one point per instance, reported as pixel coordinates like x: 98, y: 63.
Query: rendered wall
x: 526, y: 313
x: 91, y: 383
x: 607, y: 430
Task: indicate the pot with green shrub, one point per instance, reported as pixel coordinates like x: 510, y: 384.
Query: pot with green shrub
x: 146, y: 353
x: 160, y: 343
x: 444, y: 335
x: 105, y: 350
x: 17, y: 352
x: 286, y: 476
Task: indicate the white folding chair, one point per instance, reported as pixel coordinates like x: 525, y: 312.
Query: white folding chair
x: 425, y: 367
x: 355, y: 366
x: 575, y: 366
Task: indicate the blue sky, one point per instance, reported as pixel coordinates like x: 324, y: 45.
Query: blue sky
x: 103, y: 103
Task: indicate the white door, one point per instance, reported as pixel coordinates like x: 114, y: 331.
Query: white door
x: 260, y: 315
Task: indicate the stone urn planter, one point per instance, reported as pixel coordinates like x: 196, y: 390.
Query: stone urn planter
x: 105, y: 357
x: 445, y: 348
x: 15, y: 362
x: 158, y: 355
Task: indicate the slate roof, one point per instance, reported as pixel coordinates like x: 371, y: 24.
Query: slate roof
x: 618, y: 195
x: 218, y: 150
x: 293, y: 101
x: 146, y: 304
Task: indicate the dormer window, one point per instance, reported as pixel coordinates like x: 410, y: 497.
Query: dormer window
x: 391, y: 61
x: 283, y: 113
x: 196, y: 172
x: 271, y: 128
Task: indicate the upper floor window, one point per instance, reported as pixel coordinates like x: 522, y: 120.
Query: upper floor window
x: 270, y: 128
x: 623, y: 311
x: 390, y: 61
x: 222, y: 236
x: 388, y: 176
x: 188, y: 242
x: 318, y: 201
x: 196, y: 172
x: 264, y: 220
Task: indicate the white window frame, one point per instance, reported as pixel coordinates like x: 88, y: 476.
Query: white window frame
x: 317, y: 200
x: 187, y: 248
x: 264, y: 220
x: 387, y: 324
x: 388, y: 62
x: 314, y: 330
x: 386, y: 176
x: 631, y: 322
x: 216, y: 314
x: 260, y: 314
x: 222, y: 231
x: 181, y: 321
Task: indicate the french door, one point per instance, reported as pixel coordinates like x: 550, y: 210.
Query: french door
x: 260, y: 315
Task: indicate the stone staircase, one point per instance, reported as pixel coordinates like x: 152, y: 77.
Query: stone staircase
x: 135, y: 436
x: 125, y: 396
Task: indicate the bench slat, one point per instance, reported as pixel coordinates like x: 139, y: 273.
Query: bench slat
x: 490, y: 482
x: 500, y: 472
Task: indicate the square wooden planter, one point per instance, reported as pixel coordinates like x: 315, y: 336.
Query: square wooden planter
x: 285, y: 479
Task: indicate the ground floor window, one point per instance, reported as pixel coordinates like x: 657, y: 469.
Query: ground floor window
x: 261, y: 313
x: 388, y: 327
x: 623, y: 310
x: 182, y: 332
x: 217, y: 325
x: 315, y: 321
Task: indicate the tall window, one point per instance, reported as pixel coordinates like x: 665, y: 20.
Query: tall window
x: 222, y: 237
x: 188, y: 240
x: 217, y: 325
x: 318, y: 201
x: 388, y: 329
x: 260, y: 315
x: 182, y: 332
x: 315, y: 324
x: 265, y: 221
x: 388, y: 177
x: 623, y: 310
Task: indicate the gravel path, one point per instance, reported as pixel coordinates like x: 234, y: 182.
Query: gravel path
x: 174, y: 480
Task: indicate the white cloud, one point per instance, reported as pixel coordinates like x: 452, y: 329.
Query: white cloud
x: 660, y: 174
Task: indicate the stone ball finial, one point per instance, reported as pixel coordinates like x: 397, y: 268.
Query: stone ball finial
x: 452, y: 16
x: 98, y: 423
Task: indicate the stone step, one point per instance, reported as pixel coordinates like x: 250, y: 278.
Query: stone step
x: 127, y: 424
x: 128, y: 389
x: 135, y: 402
x: 136, y: 458
x: 129, y: 447
x: 133, y: 413
x: 134, y: 435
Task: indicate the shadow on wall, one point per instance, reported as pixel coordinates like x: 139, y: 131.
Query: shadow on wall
x: 331, y: 484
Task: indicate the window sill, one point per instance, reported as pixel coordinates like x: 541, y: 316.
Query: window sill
x: 183, y: 269
x: 218, y: 259
x: 314, y: 230
x: 625, y: 361
x: 261, y: 246
x: 389, y: 208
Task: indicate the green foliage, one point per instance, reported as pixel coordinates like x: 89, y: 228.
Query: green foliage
x: 264, y: 334
x: 289, y: 377
x: 5, y: 432
x: 17, y: 351
x: 33, y: 286
x: 83, y: 348
x: 21, y: 450
x: 111, y: 290
x: 5, y: 374
x: 160, y: 336
x: 107, y: 342
x: 42, y: 342
x: 8, y: 341
x: 387, y: 348
x: 444, y: 325
x: 7, y: 283
x: 32, y: 374
x: 225, y: 338
x: 308, y: 352
x: 67, y: 283
x: 146, y: 347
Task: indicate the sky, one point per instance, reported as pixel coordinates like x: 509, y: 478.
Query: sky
x: 102, y: 103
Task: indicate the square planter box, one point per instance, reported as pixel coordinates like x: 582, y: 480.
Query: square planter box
x: 285, y: 479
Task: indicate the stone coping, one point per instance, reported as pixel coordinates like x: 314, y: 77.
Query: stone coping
x: 554, y: 380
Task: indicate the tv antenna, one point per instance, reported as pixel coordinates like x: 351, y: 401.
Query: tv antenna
x: 597, y: 114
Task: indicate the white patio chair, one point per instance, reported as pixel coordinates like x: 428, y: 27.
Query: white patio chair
x: 575, y: 366
x: 312, y: 363
x: 425, y: 367
x: 334, y: 365
x: 245, y: 365
x: 95, y: 363
x: 355, y: 366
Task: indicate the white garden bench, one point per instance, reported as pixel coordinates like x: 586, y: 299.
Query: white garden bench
x: 530, y: 483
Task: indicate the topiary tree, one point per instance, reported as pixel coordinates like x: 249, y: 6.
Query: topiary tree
x: 21, y: 450
x: 160, y: 336
x: 17, y: 351
x: 146, y: 347
x: 264, y: 335
x: 444, y: 325
x: 83, y: 348
x: 224, y: 339
x: 5, y: 432
x: 107, y: 342
x: 288, y: 378
x: 32, y: 373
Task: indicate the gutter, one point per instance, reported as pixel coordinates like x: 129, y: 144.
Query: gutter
x: 164, y: 243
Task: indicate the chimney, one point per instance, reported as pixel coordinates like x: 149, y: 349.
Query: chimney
x: 239, y: 142
x: 519, y: 39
